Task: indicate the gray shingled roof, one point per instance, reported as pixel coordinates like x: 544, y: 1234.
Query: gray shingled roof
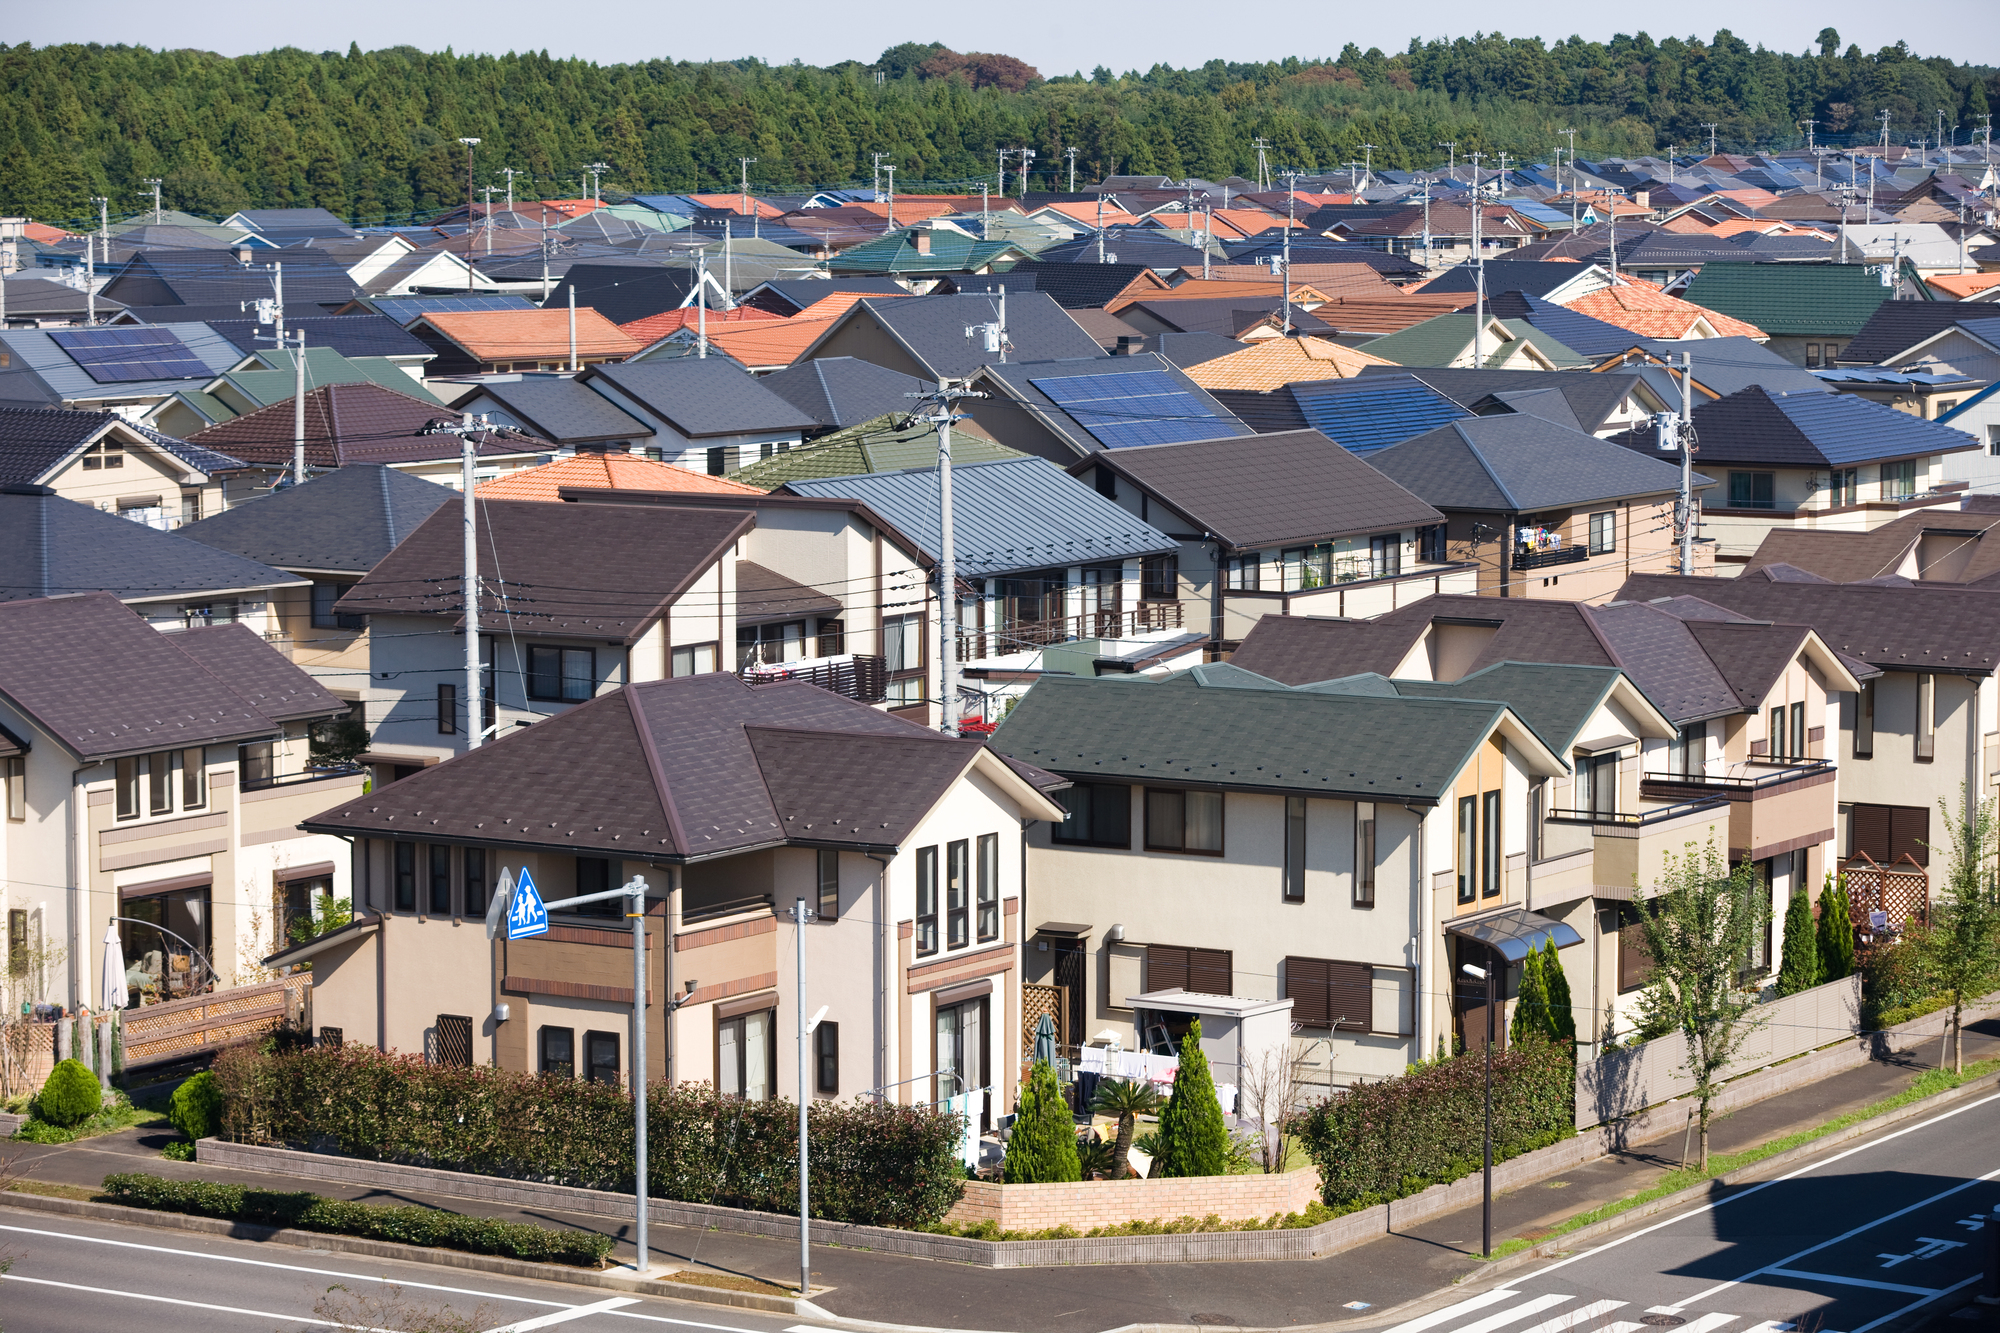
x: 1009, y: 516
x: 34, y: 440
x: 1521, y: 464
x: 347, y: 519
x: 702, y: 397
x: 1270, y: 490
x: 932, y: 329
x: 50, y: 546
x: 560, y: 409
x: 842, y: 391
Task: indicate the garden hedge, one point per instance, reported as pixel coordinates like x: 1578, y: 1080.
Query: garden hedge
x: 1388, y: 1140
x: 404, y: 1224
x: 872, y: 1165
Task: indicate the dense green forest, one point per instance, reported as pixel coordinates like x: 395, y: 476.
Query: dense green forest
x: 372, y: 135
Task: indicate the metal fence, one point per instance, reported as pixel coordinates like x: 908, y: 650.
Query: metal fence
x: 1624, y: 1081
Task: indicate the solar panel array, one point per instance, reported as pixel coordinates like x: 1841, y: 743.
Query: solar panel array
x: 407, y: 310
x: 1133, y: 408
x: 123, y: 355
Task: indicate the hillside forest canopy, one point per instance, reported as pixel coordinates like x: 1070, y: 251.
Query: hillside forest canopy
x: 372, y: 136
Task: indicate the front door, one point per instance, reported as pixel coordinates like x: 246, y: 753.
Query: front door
x: 1069, y: 979
x: 961, y: 1051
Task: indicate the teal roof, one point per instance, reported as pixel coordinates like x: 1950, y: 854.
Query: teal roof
x: 877, y: 445
x: 951, y: 252
x: 1443, y: 340
x: 323, y: 366
x: 1799, y: 299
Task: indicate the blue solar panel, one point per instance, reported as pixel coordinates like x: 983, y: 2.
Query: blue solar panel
x: 121, y: 356
x: 1372, y: 412
x: 407, y: 310
x: 1133, y: 408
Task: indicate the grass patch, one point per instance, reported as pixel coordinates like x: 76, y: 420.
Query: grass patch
x: 728, y: 1282
x: 51, y: 1190
x: 1928, y: 1084
x: 1311, y: 1215
x: 121, y: 1114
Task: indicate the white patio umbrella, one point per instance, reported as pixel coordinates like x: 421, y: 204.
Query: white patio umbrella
x: 114, y: 994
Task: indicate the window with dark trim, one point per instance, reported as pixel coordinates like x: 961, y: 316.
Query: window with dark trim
x: 1431, y: 548
x: 957, y: 894
x: 832, y: 636
x: 746, y: 1055
x: 159, y: 784
x: 1184, y: 820
x: 1385, y: 555
x: 1752, y: 490
x: 1100, y: 815
x: 1777, y: 732
x: 473, y: 859
x: 989, y: 887
x: 324, y: 595
x: 447, y: 709
x: 128, y: 788
x: 1468, y: 848
x: 1926, y: 728
x: 566, y: 675
x: 593, y: 875
x: 1200, y: 971
x: 601, y: 1050
x: 1490, y: 881
x: 1635, y: 963
x: 1242, y: 573
x: 1799, y: 737
x: 1160, y: 578
x: 829, y: 885
x: 1364, y: 853
x: 826, y: 1058
x: 694, y: 659
x: 1604, y: 532
x: 439, y: 857
x: 1326, y: 993
x: 927, y: 900
x: 16, y: 778
x: 194, y: 779
x: 557, y: 1051
x: 1295, y: 849
x: 406, y: 877
x: 1887, y: 832
x: 1864, y: 721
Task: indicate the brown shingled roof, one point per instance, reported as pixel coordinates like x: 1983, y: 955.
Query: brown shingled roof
x: 351, y: 423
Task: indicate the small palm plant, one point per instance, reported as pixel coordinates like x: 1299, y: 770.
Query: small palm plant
x: 1128, y: 1099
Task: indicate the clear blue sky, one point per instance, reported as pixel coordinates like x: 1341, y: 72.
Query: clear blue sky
x: 1123, y: 36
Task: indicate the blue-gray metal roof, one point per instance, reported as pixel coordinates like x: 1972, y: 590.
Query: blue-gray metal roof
x: 1882, y: 375
x: 1009, y: 516
x: 1374, y: 411
x: 407, y: 310
x: 38, y: 352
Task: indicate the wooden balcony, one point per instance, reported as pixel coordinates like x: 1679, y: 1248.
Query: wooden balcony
x: 856, y: 675
x: 1775, y: 806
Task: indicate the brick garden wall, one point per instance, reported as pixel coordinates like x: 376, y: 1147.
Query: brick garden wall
x: 1099, y: 1203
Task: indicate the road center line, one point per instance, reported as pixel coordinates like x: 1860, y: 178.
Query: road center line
x: 565, y: 1316
x: 197, y: 1305
x: 1841, y: 1281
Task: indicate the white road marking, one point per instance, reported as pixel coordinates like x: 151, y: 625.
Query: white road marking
x: 1779, y: 1180
x: 1521, y: 1311
x: 1708, y: 1323
x: 565, y: 1316
x: 1451, y: 1312
x: 1564, y: 1322
x: 1841, y: 1281
x: 1623, y: 1328
x: 1920, y: 1301
x: 169, y: 1300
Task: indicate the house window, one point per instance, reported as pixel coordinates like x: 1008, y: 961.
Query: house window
x: 903, y: 643
x: 1330, y: 994
x: 1846, y: 486
x: 194, y: 778
x: 746, y: 1056
x: 1468, y: 848
x: 103, y: 454
x: 1888, y: 832
x: 957, y: 908
x: 406, y: 877
x: 1099, y: 590
x: 1798, y: 730
x: 1100, y: 815
x: 1201, y: 971
x: 718, y: 461
x: 1812, y: 356
x: 1864, y: 721
x: 833, y: 637
x: 1489, y: 844
x: 829, y: 885
x: 1160, y: 578
x: 473, y: 875
x: 927, y: 900
x: 567, y: 675
x: 1604, y: 532
x: 159, y: 784
x: 324, y: 595
x: 768, y: 645
x: 190, y: 507
x: 1899, y: 480
x: 1106, y: 481
x: 15, y: 773
x: 1307, y: 567
x: 1752, y: 490
x: 989, y: 887
x: 1926, y: 728
x: 593, y: 875
x: 17, y: 941
x: 906, y: 693
x: 447, y: 710
x: 1635, y: 964
x: 600, y: 1050
x: 1777, y: 732
x: 826, y: 1058
x: 1240, y: 572
x: 1178, y: 820
x: 1688, y: 751
x: 1385, y: 555
x: 557, y: 1051
x: 439, y: 857
x: 696, y: 659
x: 1295, y: 849
x: 1364, y: 854
x: 1993, y: 441
x: 128, y: 788
x: 1431, y: 545
x: 258, y: 763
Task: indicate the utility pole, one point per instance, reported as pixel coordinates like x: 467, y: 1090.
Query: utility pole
x: 875, y: 179
x: 1943, y: 161
x: 1208, y: 241
x: 509, y: 173
x: 1575, y: 223
x: 1367, y: 165
x: 154, y: 181
x: 985, y: 213
x: 90, y: 254
x: 489, y: 191
x: 1027, y: 155
x: 278, y: 300
x: 1427, y: 224
x: 948, y: 393
x: 701, y: 305
x: 1001, y: 188
x: 1808, y: 124
x: 801, y: 915
x: 1291, y: 176
x: 597, y: 170
x: 1100, y: 227
x: 890, y: 167
x: 745, y: 162
x: 1678, y: 432
x: 475, y: 713
x: 572, y: 328
x: 298, y: 408
x: 1670, y: 164
x: 1451, y: 159
x: 1884, y: 118
x: 470, y: 144
x: 1261, y: 144
x: 1708, y: 125
x: 1070, y: 153
x: 1478, y: 269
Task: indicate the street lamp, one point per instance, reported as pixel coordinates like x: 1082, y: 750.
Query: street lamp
x: 1487, y: 975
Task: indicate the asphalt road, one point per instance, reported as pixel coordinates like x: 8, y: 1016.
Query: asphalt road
x: 1871, y: 1238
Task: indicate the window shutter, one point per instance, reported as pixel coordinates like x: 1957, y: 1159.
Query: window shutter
x: 1909, y: 829
x: 1208, y: 971
x: 1166, y: 968
x: 1350, y: 996
x: 1305, y: 987
x: 1868, y: 831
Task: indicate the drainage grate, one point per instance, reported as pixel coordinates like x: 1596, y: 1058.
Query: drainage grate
x: 1217, y: 1320
x: 1662, y: 1320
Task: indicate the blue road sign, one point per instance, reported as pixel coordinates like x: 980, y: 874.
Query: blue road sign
x: 526, y: 916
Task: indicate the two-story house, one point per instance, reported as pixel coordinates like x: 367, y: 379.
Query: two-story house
x: 736, y: 803
x: 155, y: 781
x: 1288, y: 522
x: 707, y: 414
x: 102, y: 460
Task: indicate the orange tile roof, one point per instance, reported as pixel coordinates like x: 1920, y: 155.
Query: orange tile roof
x: 43, y: 232
x: 837, y: 303
x: 1963, y: 286
x: 1087, y: 214
x: 1389, y: 315
x: 1253, y: 221
x: 1644, y: 309
x: 1276, y: 361
x: 734, y: 204
x: 605, y: 472
x: 495, y: 335
x: 1762, y: 226
x: 909, y: 207
x: 655, y: 327
x: 778, y: 344
x: 575, y: 208
x: 1199, y: 289
x: 1355, y: 279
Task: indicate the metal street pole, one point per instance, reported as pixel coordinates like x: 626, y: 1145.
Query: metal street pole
x: 1486, y: 974
x: 1687, y: 462
x: 469, y: 587
x: 799, y: 918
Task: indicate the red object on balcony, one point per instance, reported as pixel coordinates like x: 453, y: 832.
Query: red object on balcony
x: 977, y: 728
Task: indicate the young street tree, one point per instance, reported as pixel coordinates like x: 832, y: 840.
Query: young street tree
x: 1699, y: 928
x: 1962, y: 946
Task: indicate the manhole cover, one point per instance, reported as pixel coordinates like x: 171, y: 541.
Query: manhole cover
x: 1662, y: 1320
x: 1219, y: 1320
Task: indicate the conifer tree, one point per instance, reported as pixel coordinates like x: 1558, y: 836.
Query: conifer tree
x: 1836, y: 931
x: 1193, y: 1139
x: 1531, y: 1006
x: 1042, y: 1147
x: 1562, y: 1010
x: 1799, y: 968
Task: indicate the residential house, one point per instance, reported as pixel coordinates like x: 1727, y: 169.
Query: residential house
x: 737, y: 805
x: 1744, y: 758
x: 1538, y: 507
x: 840, y: 391
x: 1288, y: 523
x: 557, y: 408
x: 102, y: 460
x: 1270, y: 364
x: 154, y: 780
x: 130, y: 371
x: 926, y: 252
x: 1720, y: 367
x: 1076, y: 408
x: 602, y: 469
x: 1811, y: 460
x: 1447, y: 340
x: 474, y: 342
x: 1641, y: 307
x: 1979, y: 417
x: 928, y: 338
x: 1811, y: 311
x: 207, y: 283
x: 1074, y: 287
x: 1954, y: 337
x: 702, y: 413
x: 888, y: 443
x: 1602, y: 404
x: 1556, y: 283
x: 786, y: 297
x: 1921, y: 393
x: 1943, y: 546
x: 41, y: 303
x: 270, y: 376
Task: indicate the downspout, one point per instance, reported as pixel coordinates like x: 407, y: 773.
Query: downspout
x: 1422, y: 944
x: 668, y: 981
x: 886, y: 965
x: 1507, y: 552
x: 76, y: 867
x: 1215, y: 600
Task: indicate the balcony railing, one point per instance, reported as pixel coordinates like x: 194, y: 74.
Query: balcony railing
x: 264, y: 782
x: 856, y: 675
x: 711, y: 911
x: 1638, y: 819
x: 1019, y: 636
x: 1568, y: 555
x: 1739, y: 788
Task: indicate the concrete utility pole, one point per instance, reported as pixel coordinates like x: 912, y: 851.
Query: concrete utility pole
x: 1884, y: 118
x: 154, y: 181
x: 1451, y: 159
x: 1001, y: 188
x: 800, y: 916
x: 1027, y: 155
x: 1708, y: 125
x: 1670, y: 164
x: 470, y: 144
x: 475, y: 715
x: 572, y: 328
x: 1291, y: 176
x: 597, y: 170
x: 489, y: 191
x: 1575, y: 222
x: 948, y: 393
x: 1427, y: 222
x: 890, y: 167
x: 299, y: 409
x: 875, y: 179
x: 1367, y: 165
x: 510, y: 173
x: 1808, y: 125
x: 1478, y: 269
x: 744, y: 163
x: 1677, y: 432
x: 701, y: 305
x: 1070, y: 153
x: 1263, y: 172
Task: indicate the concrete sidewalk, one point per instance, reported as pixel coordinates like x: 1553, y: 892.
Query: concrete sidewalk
x: 894, y: 1289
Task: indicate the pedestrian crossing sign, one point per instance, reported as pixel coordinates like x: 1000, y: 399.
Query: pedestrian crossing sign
x: 525, y: 915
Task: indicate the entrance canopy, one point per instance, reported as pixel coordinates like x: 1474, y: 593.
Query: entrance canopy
x: 1514, y: 933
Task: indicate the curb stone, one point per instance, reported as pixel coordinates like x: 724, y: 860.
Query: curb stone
x: 420, y: 1254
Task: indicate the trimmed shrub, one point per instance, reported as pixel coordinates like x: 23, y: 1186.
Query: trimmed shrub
x: 1388, y: 1140
x: 196, y: 1108
x: 1531, y: 1007
x: 1836, y: 932
x: 70, y: 1097
x: 1798, y: 968
x: 404, y: 1225
x: 1042, y: 1147
x: 1562, y: 1005
x: 875, y: 1165
x: 1193, y: 1139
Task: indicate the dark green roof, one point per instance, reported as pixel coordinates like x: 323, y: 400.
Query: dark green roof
x: 1803, y: 299
x: 1553, y: 699
x: 876, y: 445
x: 1442, y: 339
x: 1228, y: 731
x: 951, y: 252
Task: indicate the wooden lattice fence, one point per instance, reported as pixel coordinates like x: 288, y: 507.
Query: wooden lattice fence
x: 203, y: 1023
x: 1901, y: 890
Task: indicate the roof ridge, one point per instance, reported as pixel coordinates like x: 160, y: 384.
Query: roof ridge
x: 1472, y: 446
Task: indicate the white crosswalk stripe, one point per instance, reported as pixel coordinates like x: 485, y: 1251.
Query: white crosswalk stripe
x: 1562, y: 1323
x: 1583, y: 1319
x: 1450, y: 1312
x: 1532, y: 1306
